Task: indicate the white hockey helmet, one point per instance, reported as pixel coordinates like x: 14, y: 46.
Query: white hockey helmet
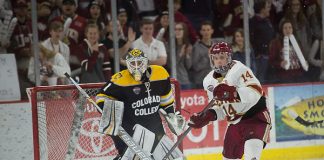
x: 224, y: 49
x: 137, y: 63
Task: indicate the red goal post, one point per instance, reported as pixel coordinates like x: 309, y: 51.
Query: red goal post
x: 65, y: 124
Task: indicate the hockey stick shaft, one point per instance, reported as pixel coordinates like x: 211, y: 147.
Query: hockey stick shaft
x: 184, y: 134
x: 122, y: 133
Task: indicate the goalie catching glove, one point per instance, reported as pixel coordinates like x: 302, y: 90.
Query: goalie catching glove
x: 175, y: 122
x: 224, y: 93
x: 203, y: 118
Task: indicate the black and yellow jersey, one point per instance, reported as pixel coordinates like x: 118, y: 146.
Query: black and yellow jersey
x: 142, y: 100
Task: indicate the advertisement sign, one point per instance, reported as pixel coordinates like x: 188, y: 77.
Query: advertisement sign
x: 305, y: 101
x: 59, y: 121
x: 212, y: 135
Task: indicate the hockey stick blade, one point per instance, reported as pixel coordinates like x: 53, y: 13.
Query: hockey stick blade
x: 122, y: 133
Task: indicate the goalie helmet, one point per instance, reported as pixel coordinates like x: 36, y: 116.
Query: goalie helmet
x: 137, y: 63
x: 220, y: 48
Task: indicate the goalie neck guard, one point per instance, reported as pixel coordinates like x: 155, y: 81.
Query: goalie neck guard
x: 216, y: 51
x: 137, y: 63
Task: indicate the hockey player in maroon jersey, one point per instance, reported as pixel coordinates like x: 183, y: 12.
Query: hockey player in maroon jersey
x: 238, y: 99
x: 74, y: 32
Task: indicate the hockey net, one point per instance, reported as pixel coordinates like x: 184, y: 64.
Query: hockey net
x: 65, y: 125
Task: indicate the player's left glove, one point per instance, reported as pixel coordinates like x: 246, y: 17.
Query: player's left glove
x: 203, y: 118
x: 226, y: 93
x: 175, y: 121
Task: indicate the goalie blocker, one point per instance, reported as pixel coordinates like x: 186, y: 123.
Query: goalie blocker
x: 111, y: 117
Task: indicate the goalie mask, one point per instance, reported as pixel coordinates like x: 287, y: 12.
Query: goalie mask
x: 136, y: 63
x: 220, y: 51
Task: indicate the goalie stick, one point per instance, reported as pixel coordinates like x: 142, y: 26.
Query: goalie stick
x: 300, y: 120
x: 122, y: 133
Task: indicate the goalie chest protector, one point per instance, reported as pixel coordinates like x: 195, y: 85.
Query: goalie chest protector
x: 142, y: 100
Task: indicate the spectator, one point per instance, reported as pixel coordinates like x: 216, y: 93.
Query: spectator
x: 261, y: 33
x: 125, y: 22
x: 163, y: 22
x: 105, y: 7
x: 132, y: 13
x: 316, y: 68
x: 43, y: 12
x: 6, y: 18
x: 95, y: 16
x: 296, y: 15
x: 200, y: 58
x: 122, y: 19
x: 74, y: 34
x: 20, y: 45
x: 124, y: 45
x: 233, y: 11
x: 239, y: 50
x: 314, y: 58
x: 180, y: 17
x: 278, y: 60
x: 52, y: 67
x: 198, y: 11
x: 161, y: 27
x: 95, y: 65
x: 277, y: 11
x: 316, y: 21
x: 83, y: 8
x: 183, y: 55
x: 5, y: 5
x: 153, y: 48
x: 53, y: 43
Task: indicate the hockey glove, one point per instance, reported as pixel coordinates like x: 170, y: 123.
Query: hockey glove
x: 201, y: 119
x: 226, y: 93
x: 175, y: 121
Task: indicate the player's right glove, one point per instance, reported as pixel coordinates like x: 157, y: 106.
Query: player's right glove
x: 203, y: 118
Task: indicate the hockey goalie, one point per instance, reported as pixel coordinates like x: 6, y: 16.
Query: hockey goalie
x: 134, y: 99
x: 237, y: 96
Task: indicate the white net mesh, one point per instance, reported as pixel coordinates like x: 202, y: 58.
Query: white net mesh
x: 65, y: 124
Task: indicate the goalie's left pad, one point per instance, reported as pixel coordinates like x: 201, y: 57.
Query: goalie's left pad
x: 144, y: 138
x: 175, y: 121
x: 111, y: 117
x: 163, y: 148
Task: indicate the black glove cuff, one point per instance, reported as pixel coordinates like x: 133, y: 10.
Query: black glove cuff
x: 169, y: 109
x: 214, y: 112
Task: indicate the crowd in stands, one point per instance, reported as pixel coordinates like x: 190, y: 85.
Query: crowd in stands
x: 76, y: 37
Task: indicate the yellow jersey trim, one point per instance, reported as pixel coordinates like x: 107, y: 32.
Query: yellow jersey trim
x: 124, y: 78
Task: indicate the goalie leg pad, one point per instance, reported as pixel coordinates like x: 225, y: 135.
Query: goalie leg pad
x: 144, y: 138
x: 163, y: 147
x: 111, y: 118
